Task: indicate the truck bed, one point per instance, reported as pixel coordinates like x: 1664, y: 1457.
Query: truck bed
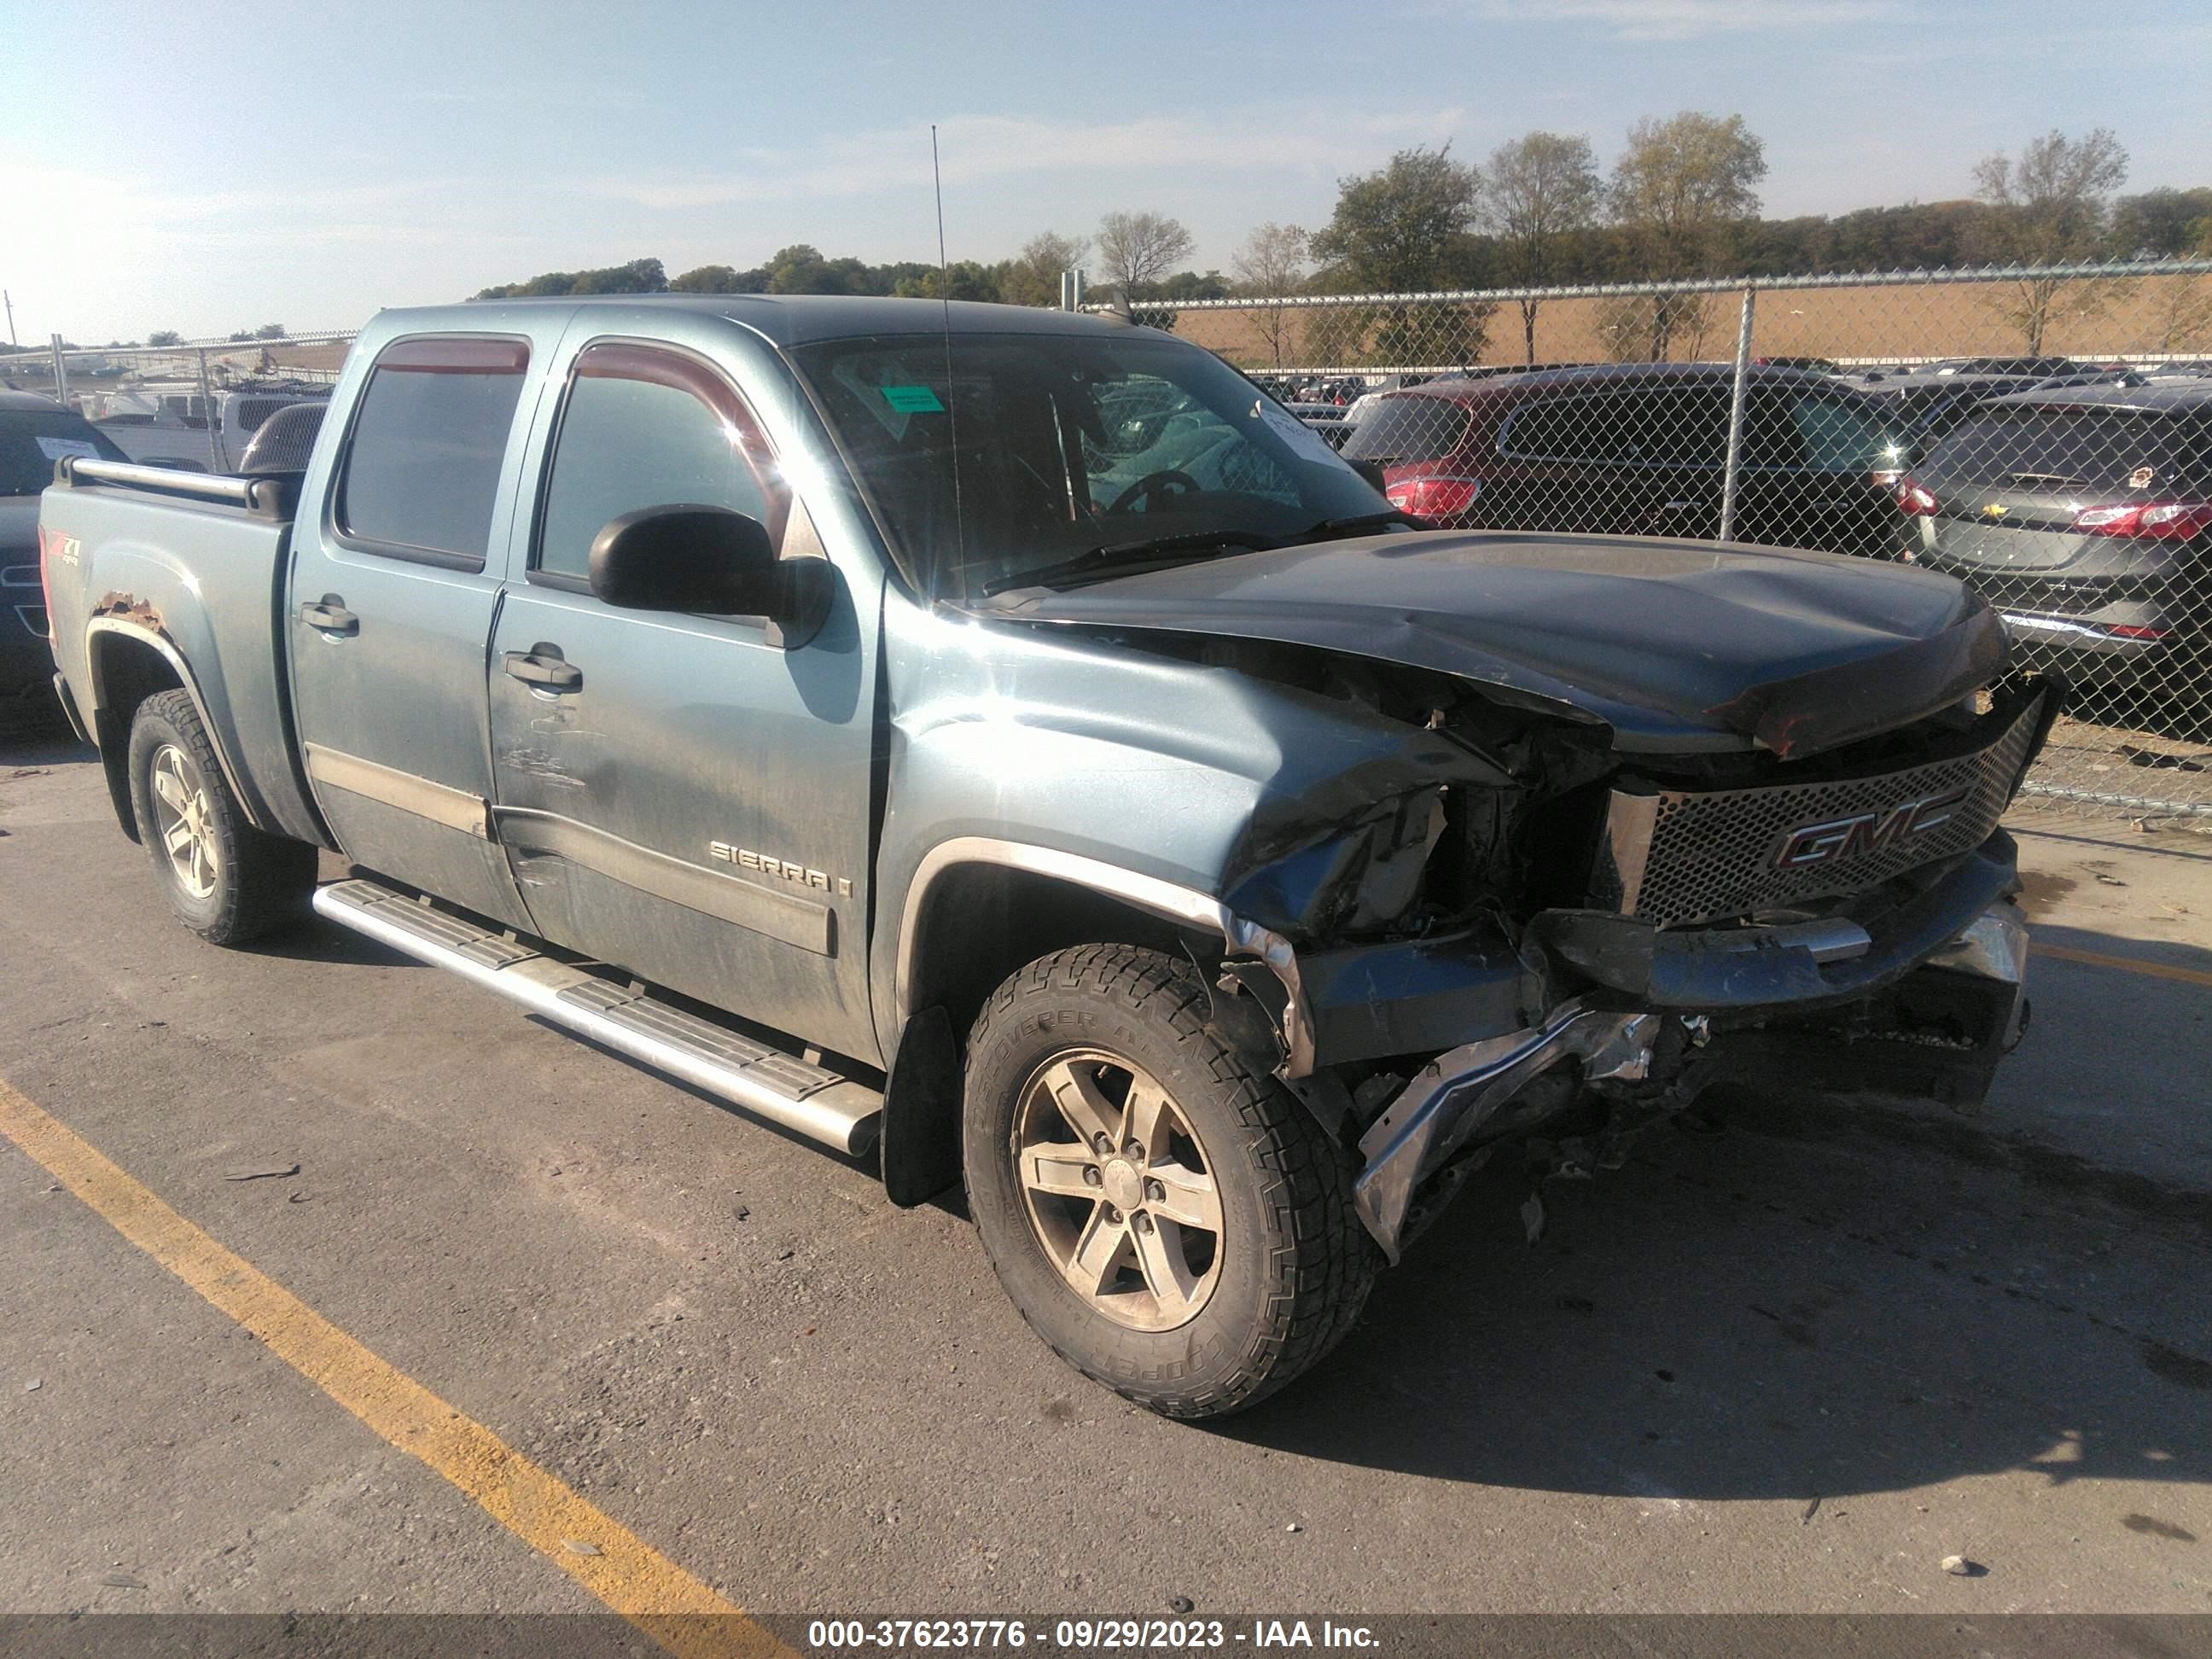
x: 141, y: 558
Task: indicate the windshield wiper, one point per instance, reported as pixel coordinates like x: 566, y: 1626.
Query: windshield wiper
x: 1098, y: 559
x: 1358, y: 521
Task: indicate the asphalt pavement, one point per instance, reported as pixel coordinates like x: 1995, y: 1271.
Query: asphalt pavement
x: 1792, y: 1362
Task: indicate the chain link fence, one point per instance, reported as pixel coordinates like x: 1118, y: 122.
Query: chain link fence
x: 2043, y: 434
x: 195, y: 405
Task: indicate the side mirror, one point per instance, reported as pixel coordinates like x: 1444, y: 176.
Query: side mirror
x: 1370, y: 470
x: 708, y: 561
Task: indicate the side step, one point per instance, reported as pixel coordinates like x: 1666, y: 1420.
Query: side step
x: 781, y: 1087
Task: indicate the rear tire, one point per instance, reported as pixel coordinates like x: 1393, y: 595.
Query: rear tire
x: 1172, y: 1222
x: 228, y: 882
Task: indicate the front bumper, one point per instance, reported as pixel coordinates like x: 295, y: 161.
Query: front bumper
x: 1928, y: 1010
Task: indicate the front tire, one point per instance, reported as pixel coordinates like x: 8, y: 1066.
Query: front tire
x: 1172, y: 1222
x: 226, y: 881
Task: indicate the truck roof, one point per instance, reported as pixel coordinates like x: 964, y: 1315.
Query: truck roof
x: 786, y: 318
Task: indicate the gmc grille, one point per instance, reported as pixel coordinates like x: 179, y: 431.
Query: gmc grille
x: 1678, y: 857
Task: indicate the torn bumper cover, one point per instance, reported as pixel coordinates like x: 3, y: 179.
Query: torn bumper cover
x: 1458, y: 1093
x: 1926, y: 1006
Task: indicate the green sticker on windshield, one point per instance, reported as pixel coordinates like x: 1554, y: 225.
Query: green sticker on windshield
x: 913, y: 400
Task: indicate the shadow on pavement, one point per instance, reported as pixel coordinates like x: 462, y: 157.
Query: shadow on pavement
x: 1830, y: 1297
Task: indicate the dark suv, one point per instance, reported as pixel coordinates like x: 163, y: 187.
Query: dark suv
x: 34, y: 432
x: 2084, y: 515
x: 1641, y: 449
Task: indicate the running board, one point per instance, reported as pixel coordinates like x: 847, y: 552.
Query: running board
x: 781, y: 1087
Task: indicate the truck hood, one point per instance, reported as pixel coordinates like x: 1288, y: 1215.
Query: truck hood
x: 1675, y: 645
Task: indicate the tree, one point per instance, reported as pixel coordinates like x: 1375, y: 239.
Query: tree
x: 1138, y: 249
x: 1270, y: 264
x: 1191, y: 285
x: 2046, y: 206
x: 2157, y: 224
x: 966, y: 279
x: 638, y: 277
x: 1681, y: 189
x: 719, y: 279
x: 1397, y: 229
x: 1404, y: 228
x: 2181, y: 306
x: 1538, y: 192
x: 164, y: 337
x: 1032, y: 277
x: 269, y: 331
x: 1623, y: 325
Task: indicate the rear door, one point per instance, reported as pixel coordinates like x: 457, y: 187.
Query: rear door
x: 393, y: 591
x: 688, y: 796
x: 1639, y: 459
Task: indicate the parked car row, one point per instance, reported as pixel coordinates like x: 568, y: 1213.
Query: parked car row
x: 1642, y: 449
x: 2077, y: 499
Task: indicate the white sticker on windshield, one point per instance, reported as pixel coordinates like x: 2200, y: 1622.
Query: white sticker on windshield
x: 54, y: 448
x: 1303, y: 439
x: 2143, y: 478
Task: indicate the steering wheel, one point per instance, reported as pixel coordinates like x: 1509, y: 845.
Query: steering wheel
x: 1153, y: 485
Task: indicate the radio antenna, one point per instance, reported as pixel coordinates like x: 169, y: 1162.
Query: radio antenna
x: 951, y: 391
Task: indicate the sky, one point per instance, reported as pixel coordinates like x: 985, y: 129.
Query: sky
x: 210, y: 166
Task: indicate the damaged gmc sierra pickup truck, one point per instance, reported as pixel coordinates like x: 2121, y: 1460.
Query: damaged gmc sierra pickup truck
x: 1006, y: 743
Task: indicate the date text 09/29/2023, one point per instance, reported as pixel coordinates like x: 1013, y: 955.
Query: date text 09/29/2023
x: 1085, y: 1635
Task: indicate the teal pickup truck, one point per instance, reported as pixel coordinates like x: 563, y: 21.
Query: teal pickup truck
x: 1008, y: 745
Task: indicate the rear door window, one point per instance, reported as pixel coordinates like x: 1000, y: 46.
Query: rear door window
x: 1681, y: 425
x: 1657, y: 425
x: 1802, y: 431
x: 424, y: 460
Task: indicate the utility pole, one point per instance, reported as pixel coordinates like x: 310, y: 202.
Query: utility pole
x: 11, y: 317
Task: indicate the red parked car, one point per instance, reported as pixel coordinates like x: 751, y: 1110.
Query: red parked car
x: 1641, y: 449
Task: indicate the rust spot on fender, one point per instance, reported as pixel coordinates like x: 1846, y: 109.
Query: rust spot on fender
x: 128, y: 608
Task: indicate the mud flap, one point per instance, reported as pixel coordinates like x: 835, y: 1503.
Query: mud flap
x: 920, y: 1139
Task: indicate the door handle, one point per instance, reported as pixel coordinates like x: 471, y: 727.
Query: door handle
x: 328, y: 615
x: 542, y: 673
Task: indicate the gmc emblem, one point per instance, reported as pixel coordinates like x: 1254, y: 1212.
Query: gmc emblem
x: 1866, y: 832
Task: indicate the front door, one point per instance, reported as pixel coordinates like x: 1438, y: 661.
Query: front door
x: 390, y: 606
x: 1814, y: 465
x: 686, y: 796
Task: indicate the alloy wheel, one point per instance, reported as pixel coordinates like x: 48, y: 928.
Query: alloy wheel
x: 1120, y: 1192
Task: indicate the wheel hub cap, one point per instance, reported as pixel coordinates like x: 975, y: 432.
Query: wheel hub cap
x: 1124, y: 1187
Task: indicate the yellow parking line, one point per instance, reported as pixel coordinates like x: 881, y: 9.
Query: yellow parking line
x: 2125, y: 964
x: 667, y: 1603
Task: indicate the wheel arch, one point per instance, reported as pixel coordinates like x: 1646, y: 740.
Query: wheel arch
x: 1010, y: 904
x: 129, y: 664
